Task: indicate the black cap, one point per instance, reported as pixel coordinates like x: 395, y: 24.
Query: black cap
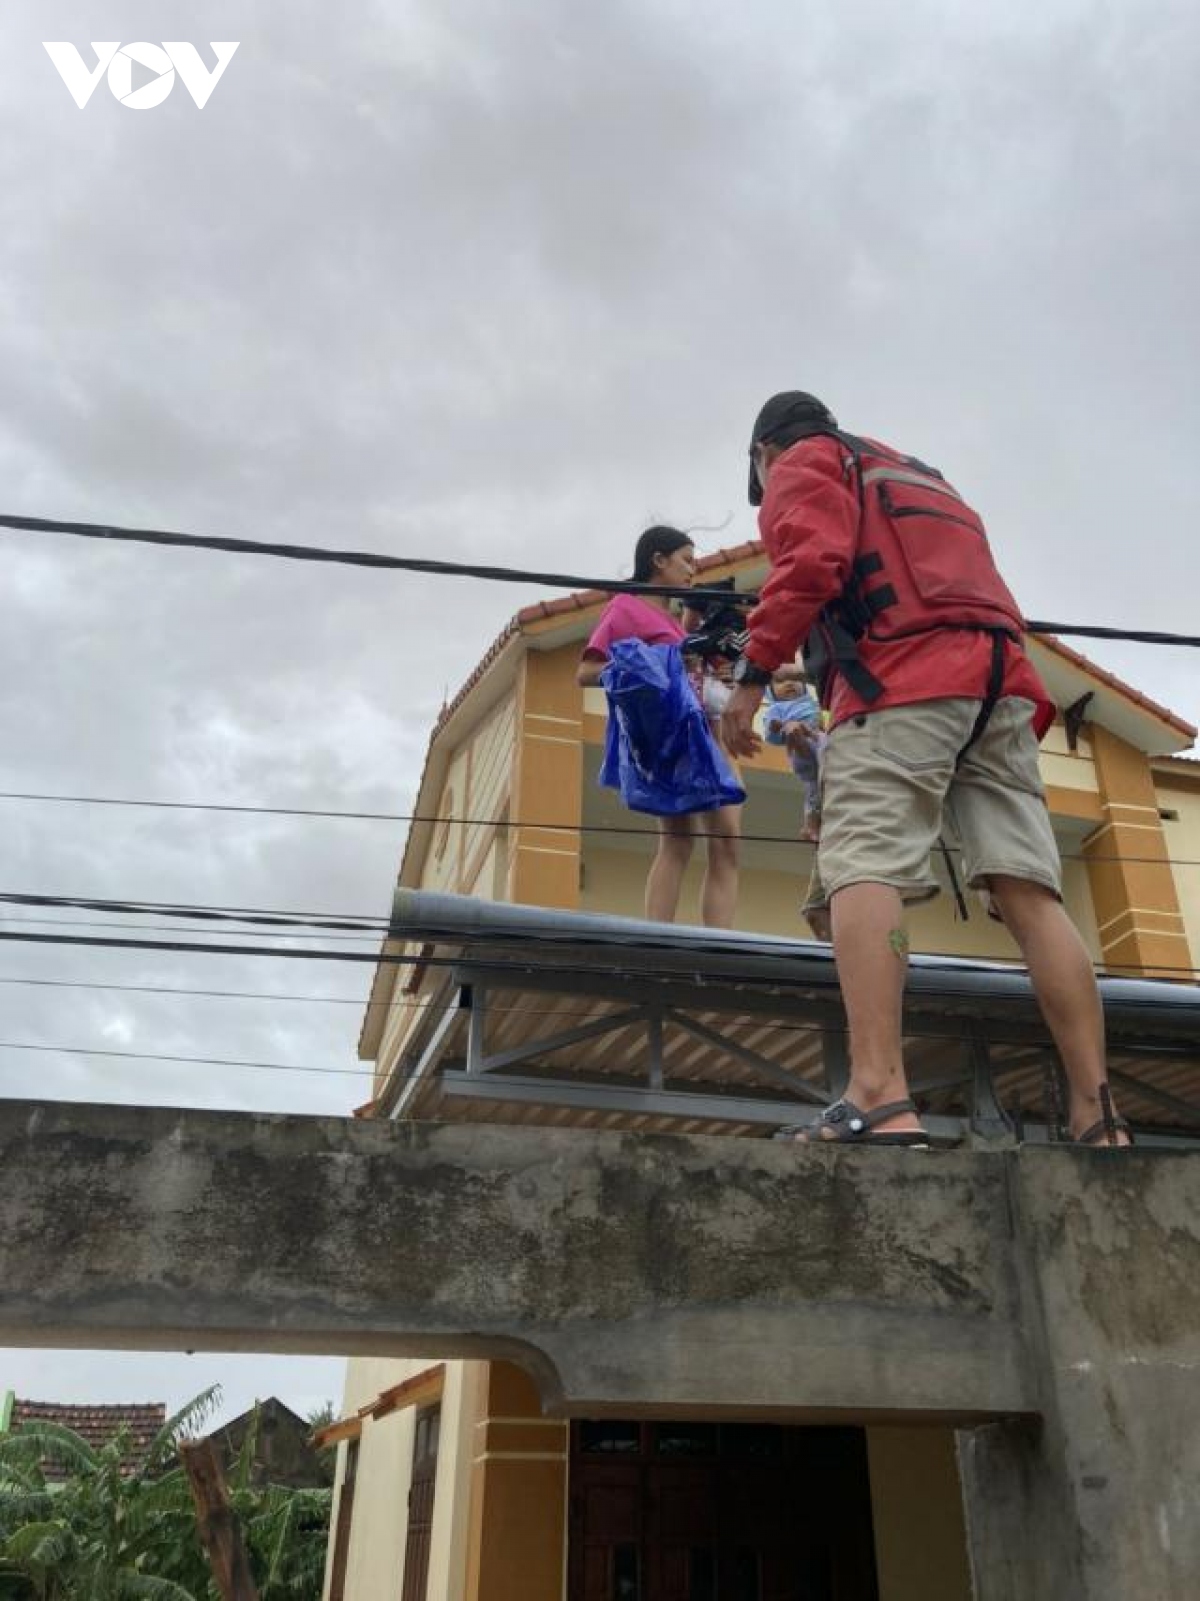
x: 785, y: 418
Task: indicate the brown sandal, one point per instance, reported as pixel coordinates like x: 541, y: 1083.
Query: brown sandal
x: 1105, y: 1130
x: 849, y: 1125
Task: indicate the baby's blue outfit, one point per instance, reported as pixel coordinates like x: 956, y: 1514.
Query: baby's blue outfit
x: 799, y: 709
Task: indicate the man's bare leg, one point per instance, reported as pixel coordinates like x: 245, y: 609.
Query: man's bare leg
x: 871, y: 950
x: 1065, y: 985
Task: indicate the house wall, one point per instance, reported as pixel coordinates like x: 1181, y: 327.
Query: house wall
x: 468, y: 858
x: 1134, y: 887
x: 463, y: 857
x: 1178, y: 793
x: 916, y: 1500
x: 533, y: 759
x: 375, y: 1564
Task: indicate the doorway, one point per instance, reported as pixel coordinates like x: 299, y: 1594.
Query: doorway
x: 719, y: 1512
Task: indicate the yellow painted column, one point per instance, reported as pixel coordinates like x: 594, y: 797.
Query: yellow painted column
x: 517, y: 1549
x: 1133, y: 886
x: 917, y: 1506
x: 547, y: 782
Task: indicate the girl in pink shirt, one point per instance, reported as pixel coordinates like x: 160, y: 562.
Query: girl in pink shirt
x: 666, y: 556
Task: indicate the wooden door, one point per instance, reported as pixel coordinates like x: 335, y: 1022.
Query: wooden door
x: 707, y: 1512
x: 606, y: 1538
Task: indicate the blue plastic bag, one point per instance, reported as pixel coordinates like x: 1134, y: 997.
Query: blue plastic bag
x: 659, y: 751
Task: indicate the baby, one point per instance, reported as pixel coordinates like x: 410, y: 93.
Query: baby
x: 793, y: 719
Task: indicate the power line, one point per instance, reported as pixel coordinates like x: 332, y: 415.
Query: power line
x: 367, y: 937
x: 223, y: 995
x: 516, y: 966
x: 188, y: 1061
x: 507, y: 824
x: 371, y: 928
x: 215, y: 914
x: 492, y: 574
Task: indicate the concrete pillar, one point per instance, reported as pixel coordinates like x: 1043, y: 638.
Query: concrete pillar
x: 517, y: 1540
x: 1096, y: 1501
x: 547, y: 782
x: 1133, y: 888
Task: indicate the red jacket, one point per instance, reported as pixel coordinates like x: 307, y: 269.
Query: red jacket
x: 812, y: 527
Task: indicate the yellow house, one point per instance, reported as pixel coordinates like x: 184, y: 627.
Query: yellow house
x: 452, y: 1484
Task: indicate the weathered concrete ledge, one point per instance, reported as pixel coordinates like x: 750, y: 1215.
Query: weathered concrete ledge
x: 1045, y: 1301
x: 623, y: 1270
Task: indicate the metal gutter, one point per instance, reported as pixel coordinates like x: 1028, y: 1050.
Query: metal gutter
x: 548, y: 939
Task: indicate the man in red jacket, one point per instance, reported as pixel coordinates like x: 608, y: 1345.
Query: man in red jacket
x: 884, y: 574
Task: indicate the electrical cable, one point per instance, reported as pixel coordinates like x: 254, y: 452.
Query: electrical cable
x: 190, y: 1061
x: 203, y: 994
x: 215, y: 914
x: 517, y: 966
x: 367, y: 937
x: 507, y: 824
x: 492, y: 574
x: 370, y: 927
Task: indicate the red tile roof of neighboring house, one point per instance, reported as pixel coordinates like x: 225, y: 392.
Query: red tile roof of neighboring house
x: 97, y: 1425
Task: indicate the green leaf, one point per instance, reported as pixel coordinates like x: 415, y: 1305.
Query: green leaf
x: 144, y: 1587
x: 184, y: 1422
x: 38, y: 1545
x: 54, y: 1442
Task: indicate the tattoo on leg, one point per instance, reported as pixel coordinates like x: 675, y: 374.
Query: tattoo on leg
x: 898, y: 940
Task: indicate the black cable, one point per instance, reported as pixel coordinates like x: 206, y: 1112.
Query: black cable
x: 356, y: 558
x: 221, y: 995
x: 505, y: 823
x: 190, y: 1061
x: 369, y: 936
x: 370, y: 928
x: 504, y: 575
x: 213, y: 914
x: 516, y: 966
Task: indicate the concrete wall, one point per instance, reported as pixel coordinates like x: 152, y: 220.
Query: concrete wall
x: 1044, y: 1301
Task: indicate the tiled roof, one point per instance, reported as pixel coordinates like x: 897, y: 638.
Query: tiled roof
x: 581, y: 599
x: 97, y: 1425
x: 1056, y: 645
x: 510, y: 630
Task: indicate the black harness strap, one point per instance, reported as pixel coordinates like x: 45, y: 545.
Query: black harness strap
x: 959, y: 898
x: 991, y: 694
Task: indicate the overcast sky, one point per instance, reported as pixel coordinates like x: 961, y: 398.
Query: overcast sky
x: 505, y: 280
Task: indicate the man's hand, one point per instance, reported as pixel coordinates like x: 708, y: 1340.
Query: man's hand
x: 737, y: 721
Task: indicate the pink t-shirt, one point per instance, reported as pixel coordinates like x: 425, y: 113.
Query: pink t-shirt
x: 632, y: 617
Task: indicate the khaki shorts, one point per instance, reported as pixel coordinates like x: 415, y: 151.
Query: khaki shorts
x: 891, y: 787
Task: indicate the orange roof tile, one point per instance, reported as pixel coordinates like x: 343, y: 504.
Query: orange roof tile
x: 581, y: 599
x: 509, y: 631
x: 97, y: 1425
x: 1055, y: 644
